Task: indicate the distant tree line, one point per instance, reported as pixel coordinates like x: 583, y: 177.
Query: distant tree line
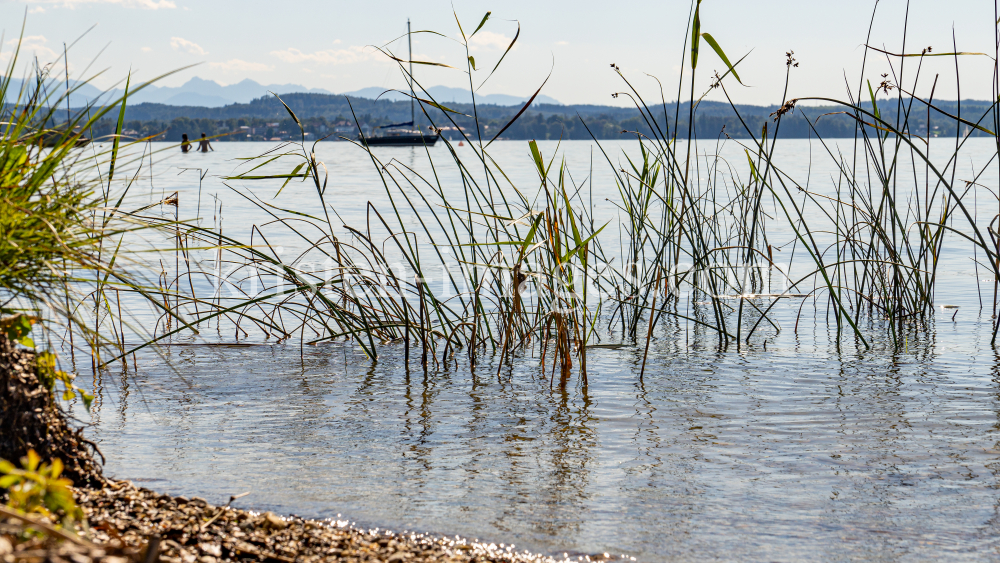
x: 331, y: 116
x: 230, y: 130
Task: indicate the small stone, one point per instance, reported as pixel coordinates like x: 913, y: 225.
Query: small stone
x: 213, y: 549
x: 398, y: 556
x: 272, y: 521
x: 5, y: 547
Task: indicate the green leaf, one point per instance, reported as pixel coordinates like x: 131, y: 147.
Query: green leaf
x: 288, y: 109
x: 521, y: 111
x: 432, y: 103
x: 481, y: 24
x: 577, y: 250
x: 9, y: 481
x: 472, y: 61
x: 6, y: 466
x: 722, y: 55
x: 17, y: 327
x: 294, y: 174
x: 118, y: 131
x: 874, y: 105
x: 88, y: 399
x: 536, y: 155
x: 13, y: 168
x: 26, y: 342
x: 268, y: 177
x: 696, y: 35
x: 753, y: 169
x: 31, y: 461
x: 531, y: 234
x: 399, y: 60
x: 925, y: 54
x: 460, y: 30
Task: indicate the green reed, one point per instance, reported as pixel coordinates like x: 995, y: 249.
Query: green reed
x: 688, y: 221
x: 63, y: 218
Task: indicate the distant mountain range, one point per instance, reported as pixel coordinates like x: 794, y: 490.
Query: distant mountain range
x: 209, y: 93
x: 444, y: 94
x: 198, y: 92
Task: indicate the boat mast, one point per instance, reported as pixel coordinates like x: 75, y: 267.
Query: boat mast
x: 409, y: 40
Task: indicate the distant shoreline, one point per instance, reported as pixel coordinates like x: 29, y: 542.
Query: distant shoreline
x: 331, y: 116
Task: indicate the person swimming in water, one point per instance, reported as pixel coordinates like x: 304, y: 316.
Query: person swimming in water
x: 185, y: 143
x: 204, y: 145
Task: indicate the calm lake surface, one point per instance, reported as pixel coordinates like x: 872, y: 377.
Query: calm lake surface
x: 792, y: 448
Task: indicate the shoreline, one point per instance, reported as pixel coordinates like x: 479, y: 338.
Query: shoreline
x: 130, y: 521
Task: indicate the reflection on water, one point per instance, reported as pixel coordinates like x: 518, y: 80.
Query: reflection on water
x: 799, y: 452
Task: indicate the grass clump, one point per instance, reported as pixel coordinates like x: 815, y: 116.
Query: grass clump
x: 63, y: 272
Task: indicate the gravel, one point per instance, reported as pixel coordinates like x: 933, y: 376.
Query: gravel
x: 129, y: 524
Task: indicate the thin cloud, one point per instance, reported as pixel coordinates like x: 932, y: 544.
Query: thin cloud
x: 237, y: 65
x: 326, y: 57
x: 35, y: 44
x: 181, y: 44
x: 141, y: 4
x: 489, y: 40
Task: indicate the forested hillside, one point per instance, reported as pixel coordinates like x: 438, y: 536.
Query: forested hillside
x: 331, y: 115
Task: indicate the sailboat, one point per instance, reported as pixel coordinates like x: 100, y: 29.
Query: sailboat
x: 402, y: 134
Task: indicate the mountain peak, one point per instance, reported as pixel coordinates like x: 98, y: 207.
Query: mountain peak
x: 199, y: 81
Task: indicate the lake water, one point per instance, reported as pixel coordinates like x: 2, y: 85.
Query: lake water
x: 791, y: 448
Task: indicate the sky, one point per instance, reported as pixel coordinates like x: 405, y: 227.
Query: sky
x: 331, y: 44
